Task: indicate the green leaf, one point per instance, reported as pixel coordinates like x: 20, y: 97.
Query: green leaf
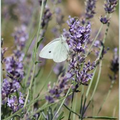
x: 101, y: 117
x: 61, y: 116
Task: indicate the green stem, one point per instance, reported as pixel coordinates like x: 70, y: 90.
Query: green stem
x: 74, y: 107
x: 81, y: 106
x: 114, y: 111
x: 94, y: 39
x: 92, y: 107
x: 99, y: 70
x: 28, y: 45
x: 82, y: 89
x: 72, y: 111
x: 98, y: 78
x: 62, y: 103
x: 39, y: 27
x: 94, y: 88
x: 29, y: 89
x: 44, y: 107
x: 46, y: 80
x: 109, y: 91
x: 34, y: 67
x: 28, y: 73
x: 71, y: 105
x: 90, y: 84
x: 103, y: 41
x: 100, y: 117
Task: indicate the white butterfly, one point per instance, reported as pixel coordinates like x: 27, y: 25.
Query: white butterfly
x: 56, y: 50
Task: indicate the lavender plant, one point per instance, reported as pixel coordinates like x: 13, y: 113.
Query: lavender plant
x: 31, y: 93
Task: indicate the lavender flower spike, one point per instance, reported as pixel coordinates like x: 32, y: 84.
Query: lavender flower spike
x: 46, y: 17
x: 90, y: 8
x: 110, y: 6
x: 78, y: 37
x: 20, y: 35
x: 9, y: 87
x: 14, y: 68
x: 16, y: 103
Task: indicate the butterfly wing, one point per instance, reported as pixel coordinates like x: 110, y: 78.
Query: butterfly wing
x: 48, y: 51
x: 60, y: 52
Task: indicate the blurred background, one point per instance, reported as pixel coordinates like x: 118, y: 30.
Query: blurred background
x: 16, y: 13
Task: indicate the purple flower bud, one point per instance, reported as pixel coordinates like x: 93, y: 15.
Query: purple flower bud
x: 14, y: 68
x: 9, y: 87
x: 110, y: 6
x: 20, y: 35
x: 97, y: 43
x: 19, y: 55
x: 49, y: 99
x: 16, y: 103
x: 46, y: 17
x: 90, y: 8
x: 104, y: 20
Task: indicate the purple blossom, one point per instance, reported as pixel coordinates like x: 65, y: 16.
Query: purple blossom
x: 14, y: 68
x: 84, y: 75
x: 46, y: 17
x: 110, y: 6
x: 78, y: 37
x: 90, y: 8
x: 5, y: 89
x: 24, y: 11
x: 16, y: 103
x: 97, y: 43
x: 20, y: 35
x: 49, y: 99
x: 19, y: 55
x: 58, y: 89
x: 15, y: 86
x: 78, y: 34
x: 104, y: 20
x: 9, y: 87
